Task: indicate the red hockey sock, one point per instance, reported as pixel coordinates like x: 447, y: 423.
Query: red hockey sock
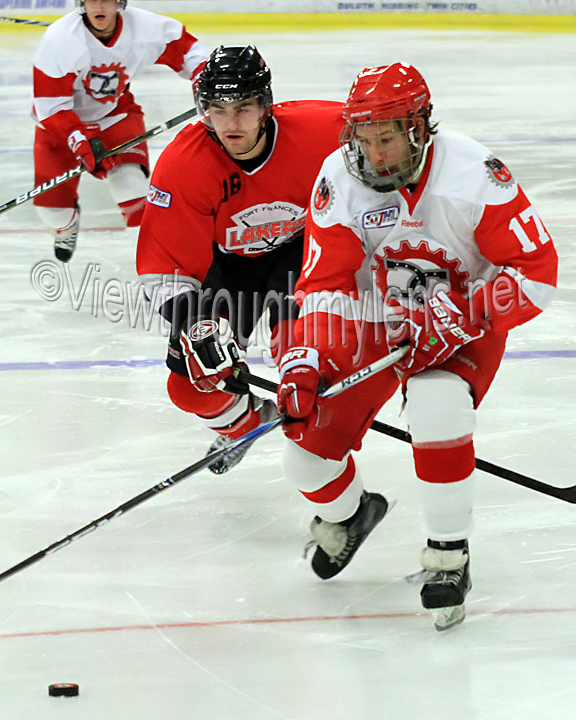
x: 444, y: 462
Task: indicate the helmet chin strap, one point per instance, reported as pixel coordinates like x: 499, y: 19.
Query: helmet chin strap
x: 418, y: 171
x: 261, y: 131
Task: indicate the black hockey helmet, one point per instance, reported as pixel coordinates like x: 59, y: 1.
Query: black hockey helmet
x: 231, y: 74
x: 82, y: 5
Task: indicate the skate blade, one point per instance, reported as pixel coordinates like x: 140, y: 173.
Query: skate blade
x: 445, y: 618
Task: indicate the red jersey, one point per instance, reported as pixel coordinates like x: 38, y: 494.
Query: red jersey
x: 199, y: 195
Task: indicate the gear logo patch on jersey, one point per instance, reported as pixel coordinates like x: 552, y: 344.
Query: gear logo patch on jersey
x: 159, y: 197
x: 411, y: 272
x: 498, y: 172
x: 106, y: 83
x: 380, y: 218
x: 264, y: 227
x: 323, y: 197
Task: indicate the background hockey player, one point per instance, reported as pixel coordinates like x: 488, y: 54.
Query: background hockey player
x: 82, y: 101
x: 225, y: 218
x: 426, y: 237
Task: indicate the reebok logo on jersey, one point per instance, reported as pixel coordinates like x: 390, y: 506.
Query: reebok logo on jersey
x: 380, y: 218
x: 412, y: 223
x: 159, y: 197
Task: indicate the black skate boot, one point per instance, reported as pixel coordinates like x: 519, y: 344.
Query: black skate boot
x: 337, y: 543
x: 268, y: 412
x: 444, y: 591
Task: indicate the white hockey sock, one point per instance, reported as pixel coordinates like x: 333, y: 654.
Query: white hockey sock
x: 312, y: 474
x: 127, y: 182
x: 56, y: 218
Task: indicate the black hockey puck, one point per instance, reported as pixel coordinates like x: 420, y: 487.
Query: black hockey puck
x: 63, y: 690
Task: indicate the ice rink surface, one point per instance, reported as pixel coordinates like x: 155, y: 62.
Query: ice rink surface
x: 197, y: 605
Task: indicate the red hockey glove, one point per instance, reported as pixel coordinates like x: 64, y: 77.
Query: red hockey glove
x: 211, y: 354
x: 298, y: 389
x: 89, y: 151
x: 436, y: 331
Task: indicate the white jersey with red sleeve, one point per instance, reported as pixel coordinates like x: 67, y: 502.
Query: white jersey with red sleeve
x: 75, y: 72
x: 465, y: 226
x: 200, y: 196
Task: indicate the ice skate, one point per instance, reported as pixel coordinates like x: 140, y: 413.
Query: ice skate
x: 337, y: 543
x: 65, y: 238
x: 268, y: 412
x: 448, y: 581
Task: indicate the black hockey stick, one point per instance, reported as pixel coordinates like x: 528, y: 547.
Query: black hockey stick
x: 139, y: 499
x: 23, y: 21
x: 54, y: 182
x: 568, y: 494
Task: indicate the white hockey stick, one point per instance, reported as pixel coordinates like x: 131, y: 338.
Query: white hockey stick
x: 338, y: 387
x: 366, y: 372
x: 23, y: 21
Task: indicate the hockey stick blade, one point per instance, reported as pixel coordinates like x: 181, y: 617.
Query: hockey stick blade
x: 55, y: 182
x: 139, y: 499
x: 567, y: 494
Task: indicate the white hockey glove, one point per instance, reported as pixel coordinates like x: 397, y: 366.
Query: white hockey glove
x: 212, y: 353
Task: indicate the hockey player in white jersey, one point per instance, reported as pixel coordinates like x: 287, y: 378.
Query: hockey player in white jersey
x: 421, y: 237
x: 82, y: 103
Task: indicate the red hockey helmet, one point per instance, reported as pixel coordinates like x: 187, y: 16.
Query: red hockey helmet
x: 394, y: 93
x: 387, y: 93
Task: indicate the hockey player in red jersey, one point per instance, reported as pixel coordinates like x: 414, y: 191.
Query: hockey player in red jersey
x: 82, y: 103
x: 222, y: 235
x: 419, y: 237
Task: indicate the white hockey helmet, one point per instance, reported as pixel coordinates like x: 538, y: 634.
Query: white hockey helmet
x: 120, y: 3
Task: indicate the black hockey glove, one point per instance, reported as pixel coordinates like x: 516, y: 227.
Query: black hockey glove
x: 212, y: 353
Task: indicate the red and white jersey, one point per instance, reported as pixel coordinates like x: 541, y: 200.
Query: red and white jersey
x: 199, y: 195
x: 73, y: 70
x: 465, y: 225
